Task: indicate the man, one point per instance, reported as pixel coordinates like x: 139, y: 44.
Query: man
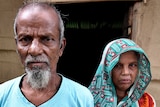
x: 122, y: 76
x: 40, y: 42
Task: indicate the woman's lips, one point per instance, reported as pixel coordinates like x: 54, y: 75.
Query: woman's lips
x: 125, y: 81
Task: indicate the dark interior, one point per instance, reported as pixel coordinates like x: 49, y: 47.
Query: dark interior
x: 88, y: 28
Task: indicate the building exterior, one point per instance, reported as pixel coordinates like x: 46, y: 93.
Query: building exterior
x: 145, y: 30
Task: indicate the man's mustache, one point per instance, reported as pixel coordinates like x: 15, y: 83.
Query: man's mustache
x: 40, y: 58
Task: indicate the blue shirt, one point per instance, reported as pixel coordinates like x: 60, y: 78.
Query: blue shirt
x: 70, y: 94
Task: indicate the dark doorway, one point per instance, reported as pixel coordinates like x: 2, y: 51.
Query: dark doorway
x: 88, y: 28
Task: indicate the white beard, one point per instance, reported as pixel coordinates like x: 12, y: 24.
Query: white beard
x: 38, y: 77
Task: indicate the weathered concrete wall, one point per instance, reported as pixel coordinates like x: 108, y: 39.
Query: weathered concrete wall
x: 9, y: 65
x: 154, y: 90
x: 146, y: 30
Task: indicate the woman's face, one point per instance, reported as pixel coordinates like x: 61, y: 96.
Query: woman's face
x: 126, y: 70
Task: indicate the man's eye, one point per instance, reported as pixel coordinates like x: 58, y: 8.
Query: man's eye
x: 25, y: 40
x: 47, y: 40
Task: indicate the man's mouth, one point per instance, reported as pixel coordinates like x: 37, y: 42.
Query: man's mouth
x: 36, y: 64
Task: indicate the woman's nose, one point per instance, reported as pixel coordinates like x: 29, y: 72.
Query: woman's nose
x: 125, y: 70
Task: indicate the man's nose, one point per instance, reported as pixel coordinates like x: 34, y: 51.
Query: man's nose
x: 35, y: 48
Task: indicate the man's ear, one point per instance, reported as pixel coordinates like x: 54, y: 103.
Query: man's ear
x: 16, y: 44
x: 15, y: 40
x: 62, y: 46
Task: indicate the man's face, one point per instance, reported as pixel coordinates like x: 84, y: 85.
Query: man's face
x: 125, y: 72
x: 38, y: 41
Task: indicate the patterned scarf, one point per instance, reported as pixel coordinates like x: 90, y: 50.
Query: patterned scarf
x: 102, y: 86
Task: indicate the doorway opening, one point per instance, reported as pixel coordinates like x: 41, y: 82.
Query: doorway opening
x: 88, y: 28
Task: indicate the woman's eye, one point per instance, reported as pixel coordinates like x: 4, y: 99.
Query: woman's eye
x: 118, y: 66
x: 133, y: 65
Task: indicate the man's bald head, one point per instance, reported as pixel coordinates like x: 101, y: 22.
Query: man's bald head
x: 32, y: 7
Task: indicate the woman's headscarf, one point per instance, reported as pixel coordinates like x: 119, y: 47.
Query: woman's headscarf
x: 102, y: 86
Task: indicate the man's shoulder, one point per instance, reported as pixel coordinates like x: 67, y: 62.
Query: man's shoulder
x: 10, y: 83
x: 72, y: 84
x: 75, y: 88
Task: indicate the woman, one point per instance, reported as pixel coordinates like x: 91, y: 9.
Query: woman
x: 122, y: 76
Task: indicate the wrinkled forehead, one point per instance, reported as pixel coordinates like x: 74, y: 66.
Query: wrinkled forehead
x: 38, y: 8
x: 38, y: 13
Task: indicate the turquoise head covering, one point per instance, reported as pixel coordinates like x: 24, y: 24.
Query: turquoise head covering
x: 102, y: 87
